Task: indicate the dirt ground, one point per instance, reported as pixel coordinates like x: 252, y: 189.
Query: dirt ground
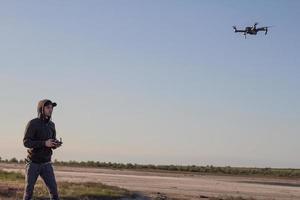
x: 179, y: 185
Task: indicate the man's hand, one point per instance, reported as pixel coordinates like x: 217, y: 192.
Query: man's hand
x: 50, y: 143
x: 57, y: 144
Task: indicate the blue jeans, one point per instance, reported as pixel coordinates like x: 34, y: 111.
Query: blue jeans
x: 45, y: 170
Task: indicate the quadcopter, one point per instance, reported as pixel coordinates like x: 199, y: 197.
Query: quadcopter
x: 252, y: 30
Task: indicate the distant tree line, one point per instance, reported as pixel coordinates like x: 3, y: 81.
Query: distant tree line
x: 208, y: 169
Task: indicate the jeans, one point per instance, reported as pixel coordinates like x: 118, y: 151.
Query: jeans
x: 45, y: 170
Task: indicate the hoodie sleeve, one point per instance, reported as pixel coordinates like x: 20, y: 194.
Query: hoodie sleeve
x: 54, y: 132
x: 28, y: 140
x: 54, y: 135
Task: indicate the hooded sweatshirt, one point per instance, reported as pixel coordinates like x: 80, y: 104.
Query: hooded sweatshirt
x: 37, y: 131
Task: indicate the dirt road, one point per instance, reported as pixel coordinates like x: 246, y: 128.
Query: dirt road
x: 180, y: 186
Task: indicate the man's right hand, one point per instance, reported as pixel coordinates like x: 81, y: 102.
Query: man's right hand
x: 50, y: 143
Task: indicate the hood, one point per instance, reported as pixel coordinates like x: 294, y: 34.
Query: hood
x: 41, y: 106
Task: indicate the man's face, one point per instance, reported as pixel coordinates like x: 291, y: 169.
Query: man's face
x: 48, y: 110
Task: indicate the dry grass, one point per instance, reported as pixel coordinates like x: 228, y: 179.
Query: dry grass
x: 12, y: 187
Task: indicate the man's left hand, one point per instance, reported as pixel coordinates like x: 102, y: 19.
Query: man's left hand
x: 57, y: 144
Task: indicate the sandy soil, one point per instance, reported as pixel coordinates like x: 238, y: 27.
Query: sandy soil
x: 179, y: 185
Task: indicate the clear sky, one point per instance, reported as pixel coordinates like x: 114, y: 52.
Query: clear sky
x: 160, y: 82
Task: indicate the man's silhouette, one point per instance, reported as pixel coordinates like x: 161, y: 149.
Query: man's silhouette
x: 40, y: 139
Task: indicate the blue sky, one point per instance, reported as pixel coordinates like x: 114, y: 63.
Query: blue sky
x: 160, y: 82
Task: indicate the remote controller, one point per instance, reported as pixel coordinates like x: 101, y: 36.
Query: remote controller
x: 59, y: 142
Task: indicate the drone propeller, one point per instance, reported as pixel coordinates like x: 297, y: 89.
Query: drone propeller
x: 267, y: 29
x: 234, y: 27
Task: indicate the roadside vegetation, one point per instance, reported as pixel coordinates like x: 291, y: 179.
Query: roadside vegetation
x: 208, y: 169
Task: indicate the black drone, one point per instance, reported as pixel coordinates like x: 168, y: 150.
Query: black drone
x: 252, y: 30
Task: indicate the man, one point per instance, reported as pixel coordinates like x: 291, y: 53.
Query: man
x: 40, y: 139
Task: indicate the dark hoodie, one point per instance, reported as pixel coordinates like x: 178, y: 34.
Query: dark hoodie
x: 37, y: 131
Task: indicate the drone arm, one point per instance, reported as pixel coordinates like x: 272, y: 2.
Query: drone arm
x: 263, y: 29
x: 254, y: 26
x: 240, y: 31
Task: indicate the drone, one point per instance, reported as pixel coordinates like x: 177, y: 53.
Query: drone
x: 252, y: 30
